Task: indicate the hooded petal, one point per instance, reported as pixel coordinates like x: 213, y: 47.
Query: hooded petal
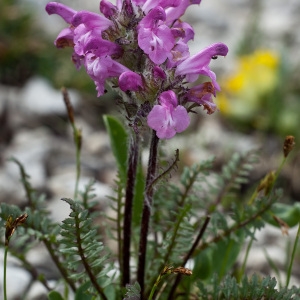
x: 130, y: 81
x: 195, y: 63
x: 64, y: 11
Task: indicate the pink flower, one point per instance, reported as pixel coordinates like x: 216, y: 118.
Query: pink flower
x: 107, y: 8
x: 168, y: 118
x: 101, y: 68
x: 174, y: 13
x: 130, y: 81
x: 154, y: 37
x: 197, y: 64
x: 62, y: 10
x: 202, y: 95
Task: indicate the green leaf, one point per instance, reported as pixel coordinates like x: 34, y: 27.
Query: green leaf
x: 81, y: 292
x: 226, y: 252
x: 203, y: 268
x: 54, y: 295
x: 290, y: 214
x: 219, y: 258
x: 118, y: 141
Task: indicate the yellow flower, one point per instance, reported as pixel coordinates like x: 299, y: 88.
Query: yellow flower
x: 255, y: 76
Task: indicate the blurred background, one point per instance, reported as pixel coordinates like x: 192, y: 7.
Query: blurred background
x: 258, y: 106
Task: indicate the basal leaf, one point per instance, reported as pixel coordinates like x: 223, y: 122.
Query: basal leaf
x: 118, y: 141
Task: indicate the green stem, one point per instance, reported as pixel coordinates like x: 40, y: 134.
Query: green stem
x: 77, y: 141
x: 293, y: 257
x: 4, y: 272
x: 242, y: 271
x: 155, y: 286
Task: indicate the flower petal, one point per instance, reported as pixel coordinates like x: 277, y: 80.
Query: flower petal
x: 64, y: 11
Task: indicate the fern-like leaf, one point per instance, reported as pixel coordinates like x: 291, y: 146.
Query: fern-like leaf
x: 84, y: 251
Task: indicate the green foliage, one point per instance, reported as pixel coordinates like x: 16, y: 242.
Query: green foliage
x: 289, y: 213
x: 84, y: 253
x: 179, y: 213
x: 200, y: 219
x: 133, y: 292
x: 250, y: 288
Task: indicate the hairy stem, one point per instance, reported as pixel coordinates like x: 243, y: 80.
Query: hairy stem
x: 152, y: 166
x: 131, y: 178
x: 119, y: 227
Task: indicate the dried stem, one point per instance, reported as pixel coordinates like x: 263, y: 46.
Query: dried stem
x: 76, y: 135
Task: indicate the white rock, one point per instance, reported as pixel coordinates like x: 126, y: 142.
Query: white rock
x: 39, y: 97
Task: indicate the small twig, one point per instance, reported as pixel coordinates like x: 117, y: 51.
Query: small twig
x: 76, y: 135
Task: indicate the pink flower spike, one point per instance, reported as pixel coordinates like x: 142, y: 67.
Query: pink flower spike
x: 168, y: 118
x: 64, y: 11
x: 130, y: 81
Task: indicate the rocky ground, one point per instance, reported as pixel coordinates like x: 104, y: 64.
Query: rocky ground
x: 34, y: 129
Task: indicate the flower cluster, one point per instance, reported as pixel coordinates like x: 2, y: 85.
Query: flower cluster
x: 140, y: 47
